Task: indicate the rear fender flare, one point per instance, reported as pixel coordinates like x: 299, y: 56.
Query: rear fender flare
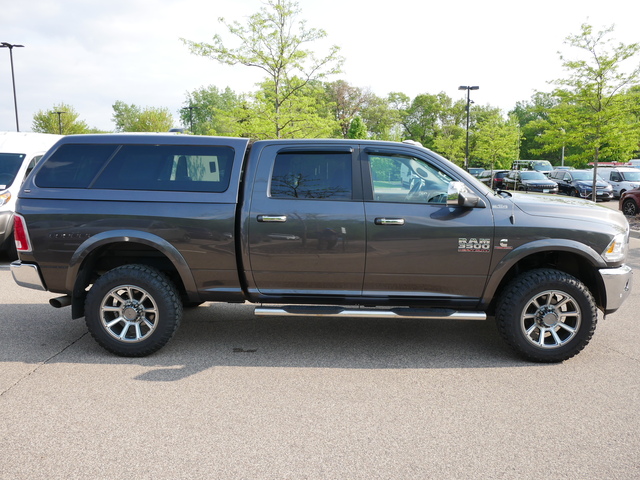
x: 145, y: 238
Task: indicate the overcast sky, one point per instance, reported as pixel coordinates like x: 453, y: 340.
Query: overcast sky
x: 90, y: 54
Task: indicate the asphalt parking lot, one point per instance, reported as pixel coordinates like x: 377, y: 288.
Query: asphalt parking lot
x: 238, y: 397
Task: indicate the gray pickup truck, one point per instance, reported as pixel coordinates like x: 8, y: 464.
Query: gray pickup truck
x: 131, y: 229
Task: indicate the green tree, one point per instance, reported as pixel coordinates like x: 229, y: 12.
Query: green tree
x: 60, y: 119
x: 426, y: 116
x: 357, y: 129
x: 593, y: 111
x: 451, y: 143
x: 301, y: 115
x: 207, y: 111
x: 383, y: 116
x: 346, y: 103
x: 496, y: 140
x: 131, y: 118
x: 273, y: 41
x: 533, y: 119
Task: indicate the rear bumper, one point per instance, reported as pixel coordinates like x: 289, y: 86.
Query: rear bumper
x: 617, y: 284
x: 27, y: 275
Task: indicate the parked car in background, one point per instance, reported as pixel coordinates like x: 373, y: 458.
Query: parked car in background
x: 493, y: 178
x: 529, y: 181
x: 621, y: 178
x: 629, y: 203
x: 19, y: 153
x: 543, y: 166
x: 579, y: 183
x: 475, y: 171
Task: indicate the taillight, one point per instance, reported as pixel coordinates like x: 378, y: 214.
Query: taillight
x: 20, y: 234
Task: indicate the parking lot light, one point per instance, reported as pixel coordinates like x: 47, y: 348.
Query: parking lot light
x: 13, y: 79
x: 468, y: 89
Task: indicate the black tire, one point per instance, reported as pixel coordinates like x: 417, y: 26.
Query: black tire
x: 629, y: 207
x: 133, y: 310
x: 574, y: 193
x: 546, y: 315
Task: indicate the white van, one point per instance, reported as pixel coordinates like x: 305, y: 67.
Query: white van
x: 19, y: 153
x: 635, y: 163
x: 621, y: 178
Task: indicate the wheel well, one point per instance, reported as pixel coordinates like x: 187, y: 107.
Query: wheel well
x: 567, y: 262
x: 113, y: 255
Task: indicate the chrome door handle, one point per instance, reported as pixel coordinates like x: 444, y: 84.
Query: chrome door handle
x: 272, y: 218
x: 389, y: 221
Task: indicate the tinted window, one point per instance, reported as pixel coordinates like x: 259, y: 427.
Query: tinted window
x: 168, y: 167
x: 318, y: 175
x: 74, y: 166
x: 399, y: 178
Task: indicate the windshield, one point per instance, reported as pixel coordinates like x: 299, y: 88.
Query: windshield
x: 584, y: 176
x: 631, y: 176
x: 541, y: 165
x: 9, y: 166
x: 533, y: 176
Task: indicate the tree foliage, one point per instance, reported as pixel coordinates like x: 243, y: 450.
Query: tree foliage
x: 594, y: 113
x: 496, y: 140
x: 131, y: 118
x: 357, y: 129
x: 59, y: 119
x: 273, y: 41
x: 207, y: 110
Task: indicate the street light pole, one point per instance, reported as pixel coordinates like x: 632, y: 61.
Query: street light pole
x: 13, y: 79
x: 468, y: 89
x: 190, y: 108
x: 59, y: 121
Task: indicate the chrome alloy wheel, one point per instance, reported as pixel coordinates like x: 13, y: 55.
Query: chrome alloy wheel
x: 129, y: 314
x: 550, y: 319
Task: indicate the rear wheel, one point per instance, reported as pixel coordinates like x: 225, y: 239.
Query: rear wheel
x: 133, y: 310
x: 546, y: 315
x: 629, y: 207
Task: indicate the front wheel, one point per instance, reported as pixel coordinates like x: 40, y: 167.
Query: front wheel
x: 629, y: 207
x: 133, y: 310
x: 546, y: 315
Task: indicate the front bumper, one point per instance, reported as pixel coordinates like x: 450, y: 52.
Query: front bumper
x: 27, y: 275
x: 600, y: 195
x: 617, y: 285
x: 6, y: 225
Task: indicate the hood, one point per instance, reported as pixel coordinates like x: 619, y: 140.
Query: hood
x: 569, y: 207
x: 539, y: 181
x: 589, y: 184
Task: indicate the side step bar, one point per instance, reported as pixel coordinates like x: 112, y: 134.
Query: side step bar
x: 331, y: 311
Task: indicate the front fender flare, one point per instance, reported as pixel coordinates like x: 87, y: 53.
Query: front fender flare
x: 539, y: 246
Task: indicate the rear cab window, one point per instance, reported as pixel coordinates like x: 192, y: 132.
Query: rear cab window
x: 312, y: 175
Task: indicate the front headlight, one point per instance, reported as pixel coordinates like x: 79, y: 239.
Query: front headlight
x: 5, y: 197
x: 616, y: 251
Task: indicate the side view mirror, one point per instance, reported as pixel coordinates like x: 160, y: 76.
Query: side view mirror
x: 459, y: 196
